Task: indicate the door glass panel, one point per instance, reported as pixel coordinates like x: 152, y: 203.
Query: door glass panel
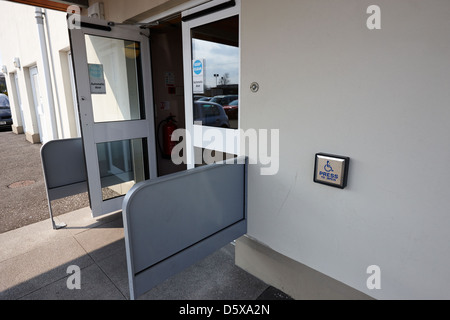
x: 115, y: 79
x: 122, y: 164
x: 215, y: 73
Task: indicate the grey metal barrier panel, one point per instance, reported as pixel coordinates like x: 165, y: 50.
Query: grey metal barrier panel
x: 174, y: 221
x: 63, y: 162
x: 64, y: 169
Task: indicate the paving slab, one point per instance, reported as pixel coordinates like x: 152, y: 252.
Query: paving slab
x: 94, y: 285
x: 19, y: 241
x: 104, y: 240
x: 39, y: 267
x: 214, y: 278
x: 81, y: 220
x: 115, y: 267
x: 34, y: 266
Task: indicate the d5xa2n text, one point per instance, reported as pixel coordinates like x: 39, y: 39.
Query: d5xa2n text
x: 245, y: 309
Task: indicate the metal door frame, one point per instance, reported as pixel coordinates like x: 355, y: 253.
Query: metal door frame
x: 74, y: 93
x: 94, y: 133
x: 197, y: 130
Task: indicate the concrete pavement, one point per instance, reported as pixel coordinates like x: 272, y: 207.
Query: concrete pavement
x: 34, y: 261
x: 34, y: 258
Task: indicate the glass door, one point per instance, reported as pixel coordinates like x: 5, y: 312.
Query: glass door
x: 212, y: 65
x: 114, y: 90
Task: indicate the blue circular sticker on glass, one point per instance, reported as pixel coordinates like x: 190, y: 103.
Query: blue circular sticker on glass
x: 198, y: 67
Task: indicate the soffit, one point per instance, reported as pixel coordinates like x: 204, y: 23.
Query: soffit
x: 53, y: 4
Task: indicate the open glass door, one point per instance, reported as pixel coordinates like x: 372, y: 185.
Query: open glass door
x: 114, y: 91
x: 211, y: 67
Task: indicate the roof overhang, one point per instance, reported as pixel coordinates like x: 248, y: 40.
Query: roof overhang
x: 59, y: 5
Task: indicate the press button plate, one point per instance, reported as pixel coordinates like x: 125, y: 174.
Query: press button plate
x: 331, y: 170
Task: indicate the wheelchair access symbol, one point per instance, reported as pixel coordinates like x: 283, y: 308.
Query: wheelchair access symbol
x: 328, y: 167
x: 331, y: 170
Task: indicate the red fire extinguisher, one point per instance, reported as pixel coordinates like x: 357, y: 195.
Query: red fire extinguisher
x: 168, y: 127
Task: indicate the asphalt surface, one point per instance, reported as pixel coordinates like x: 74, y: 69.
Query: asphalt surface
x: 23, y: 198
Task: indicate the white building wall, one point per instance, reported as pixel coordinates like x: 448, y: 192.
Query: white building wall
x: 22, y: 40
x: 59, y: 35
x: 380, y: 97
x: 22, y: 33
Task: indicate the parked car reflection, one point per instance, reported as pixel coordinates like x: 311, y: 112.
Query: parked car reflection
x: 232, y: 109
x: 210, y: 114
x: 224, y: 99
x: 198, y: 97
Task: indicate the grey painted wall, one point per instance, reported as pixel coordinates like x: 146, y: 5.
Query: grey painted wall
x: 381, y: 97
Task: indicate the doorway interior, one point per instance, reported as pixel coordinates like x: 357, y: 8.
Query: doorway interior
x: 168, y: 86
x: 196, y: 72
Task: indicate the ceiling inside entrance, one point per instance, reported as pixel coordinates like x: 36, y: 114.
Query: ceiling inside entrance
x: 54, y: 4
